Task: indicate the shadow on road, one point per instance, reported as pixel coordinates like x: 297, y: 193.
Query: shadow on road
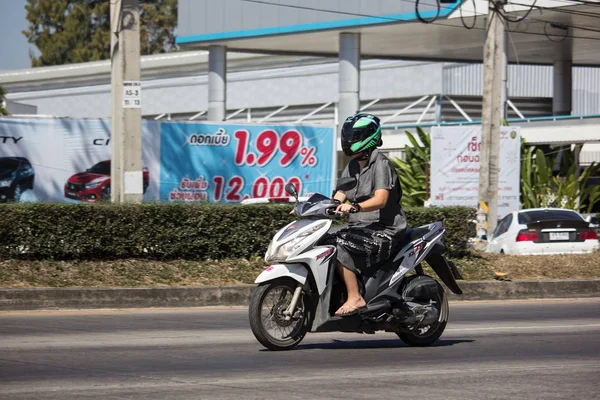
x: 374, y: 344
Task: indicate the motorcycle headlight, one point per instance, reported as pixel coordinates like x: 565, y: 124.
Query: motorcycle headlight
x: 282, y: 252
x: 6, y: 182
x: 92, y: 185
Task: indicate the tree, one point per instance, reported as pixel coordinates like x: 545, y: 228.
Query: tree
x: 543, y: 185
x: 413, y: 172
x: 2, y: 109
x: 548, y: 178
x: 72, y: 31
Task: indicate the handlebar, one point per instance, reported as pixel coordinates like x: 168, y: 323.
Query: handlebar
x: 339, y: 213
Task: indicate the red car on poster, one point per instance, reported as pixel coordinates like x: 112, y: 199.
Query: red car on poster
x: 93, y: 185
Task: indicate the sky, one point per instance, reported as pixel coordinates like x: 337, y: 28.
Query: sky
x: 14, y: 48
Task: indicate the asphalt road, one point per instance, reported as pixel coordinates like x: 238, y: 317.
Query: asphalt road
x: 495, y: 350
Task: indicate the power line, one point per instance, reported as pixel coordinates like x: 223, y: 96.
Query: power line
x: 580, y: 2
x: 462, y: 18
x: 561, y: 25
x: 439, y: 23
x: 562, y: 10
x: 352, y: 14
x: 504, y: 16
x: 549, y: 36
x: 427, y: 21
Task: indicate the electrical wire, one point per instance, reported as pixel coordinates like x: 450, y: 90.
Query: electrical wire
x: 562, y: 39
x: 439, y: 23
x: 352, y: 14
x: 562, y: 10
x: 462, y: 18
x: 565, y: 25
x: 504, y: 16
x: 510, y: 38
x: 428, y: 21
x: 437, y: 4
x: 580, y: 2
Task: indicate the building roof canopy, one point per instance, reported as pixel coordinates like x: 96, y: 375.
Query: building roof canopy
x: 540, y: 38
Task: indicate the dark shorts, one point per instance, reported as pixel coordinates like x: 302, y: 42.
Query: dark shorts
x: 363, y: 250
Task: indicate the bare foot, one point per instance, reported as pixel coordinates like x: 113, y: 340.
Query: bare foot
x: 352, y: 306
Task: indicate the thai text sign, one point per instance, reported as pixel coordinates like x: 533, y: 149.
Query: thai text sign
x: 455, y: 153
x: 231, y: 163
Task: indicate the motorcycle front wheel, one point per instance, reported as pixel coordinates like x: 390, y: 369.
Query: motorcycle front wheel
x: 269, y: 325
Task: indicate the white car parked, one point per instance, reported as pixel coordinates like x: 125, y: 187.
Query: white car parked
x: 543, y: 231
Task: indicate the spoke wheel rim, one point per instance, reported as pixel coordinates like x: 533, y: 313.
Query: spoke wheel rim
x: 274, y: 303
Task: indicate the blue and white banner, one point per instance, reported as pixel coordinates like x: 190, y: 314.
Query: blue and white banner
x: 65, y: 160
x: 230, y: 163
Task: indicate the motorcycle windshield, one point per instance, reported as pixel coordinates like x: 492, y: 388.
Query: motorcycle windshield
x: 316, y: 199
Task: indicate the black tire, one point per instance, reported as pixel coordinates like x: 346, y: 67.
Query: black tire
x: 275, y: 315
x: 106, y: 193
x: 433, y: 333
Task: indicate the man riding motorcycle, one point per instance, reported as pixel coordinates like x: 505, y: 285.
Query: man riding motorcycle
x: 376, y: 222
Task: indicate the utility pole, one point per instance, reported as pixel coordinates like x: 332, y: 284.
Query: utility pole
x: 126, y: 109
x: 491, y: 111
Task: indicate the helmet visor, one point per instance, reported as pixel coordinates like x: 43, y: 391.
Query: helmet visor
x: 352, y: 135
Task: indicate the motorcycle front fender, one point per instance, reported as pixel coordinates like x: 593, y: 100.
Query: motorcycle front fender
x: 298, y: 272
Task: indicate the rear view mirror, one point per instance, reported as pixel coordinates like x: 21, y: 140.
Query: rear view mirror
x: 291, y: 190
x: 345, y: 184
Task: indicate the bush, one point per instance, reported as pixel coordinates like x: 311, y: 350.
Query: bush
x: 166, y: 231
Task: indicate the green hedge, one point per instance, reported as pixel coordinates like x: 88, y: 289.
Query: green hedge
x: 167, y: 231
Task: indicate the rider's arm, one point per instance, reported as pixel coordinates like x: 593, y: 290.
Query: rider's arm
x: 341, y: 196
x: 377, y: 202
x: 384, y: 183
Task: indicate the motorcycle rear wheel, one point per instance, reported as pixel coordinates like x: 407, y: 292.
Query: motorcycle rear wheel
x: 267, y: 321
x: 420, y: 337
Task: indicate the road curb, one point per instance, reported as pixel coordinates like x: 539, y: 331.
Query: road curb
x: 199, y: 296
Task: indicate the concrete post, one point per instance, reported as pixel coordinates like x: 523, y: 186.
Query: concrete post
x: 117, y: 128
x: 490, y: 124
x: 217, y: 82
x: 504, y: 109
x: 349, y: 76
x: 126, y: 136
x: 562, y: 87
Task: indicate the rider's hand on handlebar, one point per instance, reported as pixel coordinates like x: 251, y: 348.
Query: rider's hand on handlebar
x: 346, y: 208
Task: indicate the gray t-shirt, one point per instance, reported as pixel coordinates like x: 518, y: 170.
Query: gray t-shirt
x: 378, y: 173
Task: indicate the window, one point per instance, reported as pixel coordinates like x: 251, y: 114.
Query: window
x: 503, y: 226
x: 102, y: 168
x: 548, y: 215
x: 8, y: 163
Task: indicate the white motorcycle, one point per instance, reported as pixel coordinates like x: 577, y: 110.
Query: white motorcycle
x: 300, y: 291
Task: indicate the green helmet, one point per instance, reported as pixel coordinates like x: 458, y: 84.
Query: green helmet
x: 360, y: 132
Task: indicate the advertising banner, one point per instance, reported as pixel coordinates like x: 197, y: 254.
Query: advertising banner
x: 455, y: 153
x: 229, y: 163
x: 64, y: 160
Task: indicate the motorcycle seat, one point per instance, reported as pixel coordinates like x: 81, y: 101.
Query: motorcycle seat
x: 412, y: 234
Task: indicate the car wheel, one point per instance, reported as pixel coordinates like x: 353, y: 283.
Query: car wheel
x: 31, y: 183
x: 106, y: 193
x: 17, y: 193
